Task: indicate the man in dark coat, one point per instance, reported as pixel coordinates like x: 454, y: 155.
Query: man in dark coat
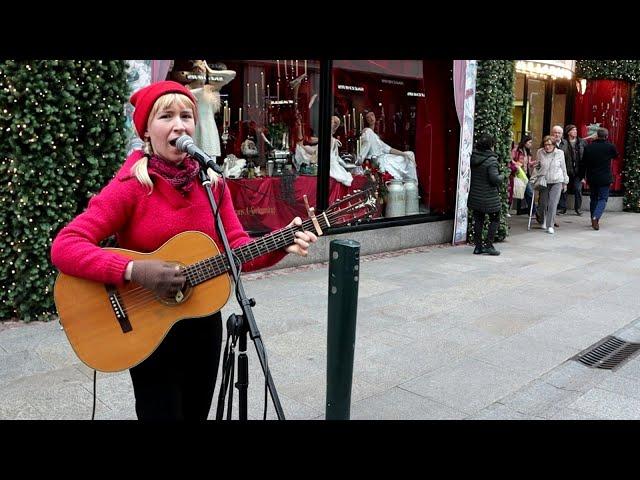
x: 573, y: 148
x: 484, y: 196
x: 596, y: 169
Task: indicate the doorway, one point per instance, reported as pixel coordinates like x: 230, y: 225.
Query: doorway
x: 540, y: 103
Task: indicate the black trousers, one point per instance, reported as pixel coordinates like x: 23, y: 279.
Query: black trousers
x: 177, y: 381
x: 478, y: 224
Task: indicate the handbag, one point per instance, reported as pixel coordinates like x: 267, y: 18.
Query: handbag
x: 540, y: 182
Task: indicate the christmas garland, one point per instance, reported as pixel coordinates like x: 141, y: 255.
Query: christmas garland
x: 628, y: 70
x: 63, y: 137
x: 494, y: 115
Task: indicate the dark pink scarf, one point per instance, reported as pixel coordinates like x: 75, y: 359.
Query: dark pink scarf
x: 181, y: 177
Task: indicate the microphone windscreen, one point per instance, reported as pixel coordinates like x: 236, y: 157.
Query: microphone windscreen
x: 183, y: 143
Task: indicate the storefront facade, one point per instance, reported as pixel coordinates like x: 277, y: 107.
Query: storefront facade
x: 286, y: 129
x: 548, y: 93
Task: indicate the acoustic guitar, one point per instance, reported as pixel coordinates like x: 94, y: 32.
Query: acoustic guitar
x: 115, y: 328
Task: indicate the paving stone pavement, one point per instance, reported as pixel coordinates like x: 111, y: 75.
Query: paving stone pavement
x: 441, y: 334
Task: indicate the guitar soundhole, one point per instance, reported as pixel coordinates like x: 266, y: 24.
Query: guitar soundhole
x: 181, y: 297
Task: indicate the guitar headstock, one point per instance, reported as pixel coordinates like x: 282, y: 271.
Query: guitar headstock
x: 353, y: 208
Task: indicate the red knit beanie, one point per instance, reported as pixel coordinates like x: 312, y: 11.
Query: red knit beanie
x: 144, y: 99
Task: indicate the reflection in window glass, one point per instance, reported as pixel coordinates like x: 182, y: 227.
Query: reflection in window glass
x: 535, y: 109
x: 260, y: 119
x: 396, y: 124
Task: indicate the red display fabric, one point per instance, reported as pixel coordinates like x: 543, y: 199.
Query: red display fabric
x: 606, y: 102
x: 262, y: 203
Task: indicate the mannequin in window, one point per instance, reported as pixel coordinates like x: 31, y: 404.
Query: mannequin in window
x: 337, y: 166
x: 205, y: 86
x: 402, y: 165
x: 309, y: 154
x: 304, y: 153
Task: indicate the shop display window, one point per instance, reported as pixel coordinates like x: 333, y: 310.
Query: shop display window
x: 398, y: 123
x: 260, y: 119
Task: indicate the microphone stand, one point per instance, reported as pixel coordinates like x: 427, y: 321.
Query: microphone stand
x: 239, y: 325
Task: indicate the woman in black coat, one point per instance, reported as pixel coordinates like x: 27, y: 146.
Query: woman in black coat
x: 484, y: 195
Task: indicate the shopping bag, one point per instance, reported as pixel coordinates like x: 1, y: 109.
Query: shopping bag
x: 520, y: 174
x: 519, y: 187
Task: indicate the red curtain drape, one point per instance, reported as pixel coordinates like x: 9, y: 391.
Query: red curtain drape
x: 438, y: 136
x: 605, y: 103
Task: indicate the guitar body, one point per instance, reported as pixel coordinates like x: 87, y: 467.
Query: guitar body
x: 89, y: 319
x: 115, y: 328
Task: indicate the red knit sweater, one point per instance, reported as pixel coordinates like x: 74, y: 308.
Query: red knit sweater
x: 142, y: 222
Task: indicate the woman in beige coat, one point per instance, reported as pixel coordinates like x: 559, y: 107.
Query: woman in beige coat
x: 552, y: 167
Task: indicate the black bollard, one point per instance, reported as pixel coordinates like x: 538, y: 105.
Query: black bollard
x: 344, y: 273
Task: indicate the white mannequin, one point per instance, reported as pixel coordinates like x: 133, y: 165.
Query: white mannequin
x: 402, y: 165
x: 337, y: 168
x: 208, y: 95
x: 309, y: 154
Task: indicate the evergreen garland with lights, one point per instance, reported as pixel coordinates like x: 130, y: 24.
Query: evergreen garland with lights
x: 63, y: 131
x: 628, y: 70
x: 494, y: 115
x: 631, y: 171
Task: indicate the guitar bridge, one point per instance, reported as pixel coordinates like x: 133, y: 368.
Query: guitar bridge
x: 118, y: 308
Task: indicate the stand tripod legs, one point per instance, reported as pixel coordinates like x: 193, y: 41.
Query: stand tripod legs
x: 237, y: 330
x: 243, y: 376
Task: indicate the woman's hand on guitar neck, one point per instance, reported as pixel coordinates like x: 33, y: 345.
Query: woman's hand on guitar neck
x: 162, y: 278
x: 302, y: 241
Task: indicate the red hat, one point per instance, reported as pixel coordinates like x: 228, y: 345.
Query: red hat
x: 144, y: 99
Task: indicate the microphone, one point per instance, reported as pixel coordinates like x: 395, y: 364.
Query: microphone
x: 185, y: 144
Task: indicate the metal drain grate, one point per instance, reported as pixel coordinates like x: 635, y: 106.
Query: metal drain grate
x: 609, y: 353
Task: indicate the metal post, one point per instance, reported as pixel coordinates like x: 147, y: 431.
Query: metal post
x: 344, y: 272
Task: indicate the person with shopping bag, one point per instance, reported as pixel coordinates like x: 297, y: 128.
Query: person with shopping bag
x: 521, y: 155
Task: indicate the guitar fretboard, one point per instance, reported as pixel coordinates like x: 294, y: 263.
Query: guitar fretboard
x: 213, y: 266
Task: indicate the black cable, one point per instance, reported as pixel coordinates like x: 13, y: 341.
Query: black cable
x: 93, y: 413
x: 266, y: 361
x: 224, y: 382
x: 224, y: 185
x: 238, y: 264
x: 266, y: 389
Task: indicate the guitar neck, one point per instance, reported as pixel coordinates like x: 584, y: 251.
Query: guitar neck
x: 213, y: 266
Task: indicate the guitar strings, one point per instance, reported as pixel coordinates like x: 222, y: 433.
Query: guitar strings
x: 139, y: 297
x: 144, y: 297
x: 193, y: 272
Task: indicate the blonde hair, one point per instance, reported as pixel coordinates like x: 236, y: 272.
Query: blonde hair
x: 548, y: 138
x: 139, y: 169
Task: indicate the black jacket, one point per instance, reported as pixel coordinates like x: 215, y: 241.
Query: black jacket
x: 572, y: 161
x: 596, y: 163
x: 485, y: 180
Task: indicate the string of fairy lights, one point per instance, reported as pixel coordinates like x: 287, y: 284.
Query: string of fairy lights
x: 63, y: 134
x: 62, y: 123
x: 493, y: 115
x: 631, y: 171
